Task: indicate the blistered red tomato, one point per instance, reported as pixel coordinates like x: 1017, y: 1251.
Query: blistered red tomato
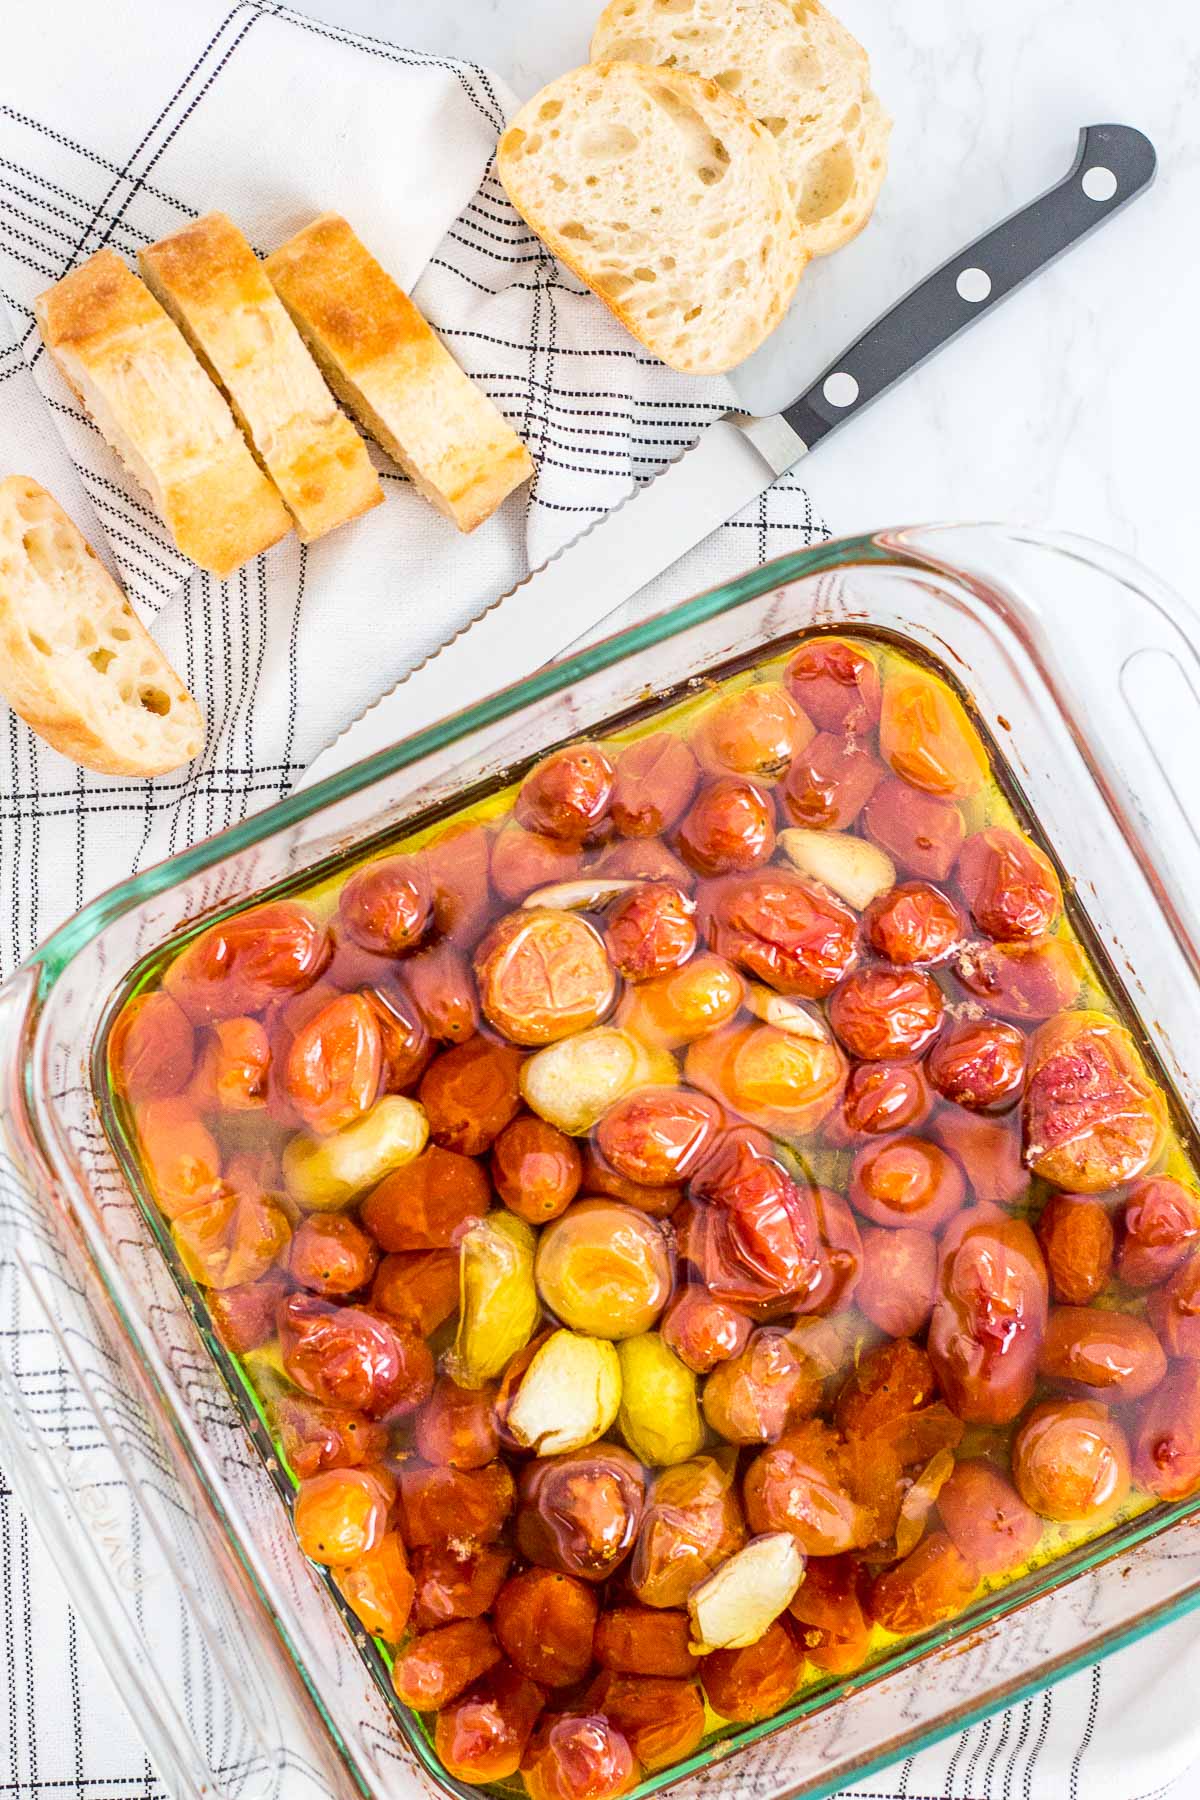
x: 335, y: 1063
x: 179, y: 1154
x: 650, y: 931
x: 234, y: 1237
x: 786, y: 930
x: 536, y: 1169
x: 456, y: 1581
x: 986, y: 1518
x: 1175, y: 1310
x: 1166, y: 1453
x: 729, y: 825
x: 703, y: 1331
x: 756, y: 732
x: 470, y: 1094
x: 661, y: 1718
x: 241, y: 965
x: 659, y: 1135
x: 441, y: 1504
x: 1159, y: 1227
x: 1009, y: 885
x: 458, y: 861
x: 150, y: 1048
x: 906, y: 1181
x: 315, y: 1436
x: 914, y: 923
x: 644, y: 1640
x: 481, y: 1736
x: 543, y: 975
x: 347, y: 1357
x: 378, y: 1587
x: 568, y: 795
x: 883, y: 1097
x: 330, y: 1253
x: 754, y: 1236
x: 750, y: 1684
x: 1092, y: 1116
x: 1023, y: 981
x: 241, y: 1064
x: 989, y: 1316
x: 830, y: 1616
x: 524, y: 860
x: 927, y: 739
x: 387, y: 907
x: 1100, y: 1354
x: 654, y: 783
x: 837, y: 684
x: 1071, y: 1461
x: 579, y: 1756
x: 673, y: 1009
x: 404, y: 1038
x: 545, y: 1621
x: 342, y: 1514
x: 899, y: 1273
x: 457, y: 1426
x: 803, y: 1485
x: 440, y: 984
x: 989, y: 1151
x: 418, y: 1291
x: 436, y: 1666
x: 931, y: 1585
x: 978, y: 1063
x: 428, y: 1203
x: 881, y: 1014
x: 579, y: 1513
x: 829, y: 783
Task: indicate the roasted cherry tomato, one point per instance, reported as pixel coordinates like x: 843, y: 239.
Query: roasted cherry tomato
x: 388, y: 906
x: 643, y: 859
x: 673, y: 1009
x: 1159, y: 1226
x: 330, y: 1253
x: 1092, y: 1116
x: 435, y: 1667
x: 418, y: 1291
x: 978, y: 1063
x: 784, y: 1083
x: 754, y: 1236
x: 543, y: 975
x: 989, y: 1316
x: 883, y: 1097
x: 644, y: 1640
x: 655, y: 781
x: 458, y: 860
x: 836, y: 683
x: 428, y: 1203
x: 456, y: 1581
x: 347, y: 1357
x: 342, y: 1514
x: 756, y: 1396
x: 755, y: 732
x: 1101, y: 1355
x: 729, y: 825
x: 481, y: 1736
x: 579, y: 1756
x: 1166, y: 1456
x: 404, y: 1038
x: 788, y: 931
x: 241, y: 1064
x: 234, y: 1237
x: 150, y: 1048
x: 839, y: 1255
x: 651, y: 931
x: 750, y: 1684
x: 243, y: 1316
x: 891, y: 1382
x: 568, y: 795
x: 335, y: 1063
x: 443, y: 1505
x: 579, y: 1513
x: 899, y: 1273
x: 1175, y: 1310
x: 829, y: 783
x: 524, y: 860
x: 927, y: 739
x: 536, y: 1169
x: 315, y: 1436
x: 986, y: 1518
x: 692, y: 1523
x: 988, y: 1149
x: 545, y: 1621
x: 1009, y: 885
x: 662, y: 1719
x: 179, y: 1154
x: 456, y: 1426
x: 441, y: 986
x: 881, y: 1014
x: 803, y: 1485
x: 1076, y: 1236
x: 906, y: 1181
x: 1071, y: 1461
x: 702, y: 1331
x: 379, y: 1588
x: 599, y: 1178
x: 241, y: 965
x: 470, y: 1094
x: 914, y: 923
x: 931, y: 1585
x: 923, y: 834
x: 829, y: 1615
x: 659, y: 1135
x: 604, y: 1269
x: 1023, y: 981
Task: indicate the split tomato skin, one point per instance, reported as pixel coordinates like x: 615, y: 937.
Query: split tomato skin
x: 989, y: 1316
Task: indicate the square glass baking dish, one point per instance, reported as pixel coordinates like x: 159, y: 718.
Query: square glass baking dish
x: 116, y: 1427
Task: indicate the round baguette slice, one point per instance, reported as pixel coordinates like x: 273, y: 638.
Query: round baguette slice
x: 799, y: 72
x: 668, y: 199
x: 75, y: 662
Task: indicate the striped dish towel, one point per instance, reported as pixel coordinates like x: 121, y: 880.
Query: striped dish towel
x: 273, y: 116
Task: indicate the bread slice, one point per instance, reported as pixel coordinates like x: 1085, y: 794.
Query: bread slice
x: 665, y: 196
x: 75, y: 661
x: 799, y: 72
x: 151, y: 400
x: 216, y: 290
x: 395, y: 375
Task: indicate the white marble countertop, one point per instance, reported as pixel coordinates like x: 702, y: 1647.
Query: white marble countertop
x: 1075, y: 405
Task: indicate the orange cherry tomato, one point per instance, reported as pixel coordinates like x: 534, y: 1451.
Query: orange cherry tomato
x: 988, y: 1149
x: 906, y: 1181
x: 655, y: 781
x: 1076, y: 1236
x: 404, y: 1041
x: 1166, y: 1455
x: 462, y: 1507
x: 332, y: 1254
x: 243, y: 1316
x: 347, y: 1357
x: 662, y: 1719
x: 241, y: 1064
x: 543, y: 975
x: 481, y: 1736
x: 315, y: 1437
x: 914, y: 923
x: 751, y: 1684
x: 179, y: 1154
x: 881, y: 1014
x: 883, y: 1097
x: 470, y: 1094
x: 889, y: 1383
x: 829, y: 783
x: 931, y: 1585
x: 1159, y: 1226
x: 578, y: 1756
x: 650, y: 932
x: 150, y: 1048
x: 659, y: 1135
x: 756, y: 732
x: 989, y: 1316
x: 599, y: 1178
x: 786, y: 930
x: 1009, y: 885
x: 378, y: 1588
x: 456, y: 1426
x: 544, y: 1621
x: 1023, y: 981
x: 437, y: 1665
x: 428, y: 1203
x: 923, y: 834
x: 442, y: 988
x: 829, y: 1615
x: 783, y: 1083
x: 536, y: 1169
x: 729, y: 825
x: 579, y: 1513
x: 458, y: 860
x: 692, y: 1523
x: 1092, y: 1116
x: 978, y: 1063
x: 342, y: 1514
x: 644, y: 1640
x: 523, y: 860
x: 757, y: 1395
x: 674, y: 1009
x: 702, y: 1331
x: 927, y: 739
x: 986, y: 1519
x: 234, y: 1237
x: 455, y: 1581
x: 418, y: 1291
x: 1101, y: 1355
x: 803, y: 1484
x: 899, y: 1274
x: 388, y: 906
x: 335, y: 1064
x: 1175, y: 1310
x: 244, y: 963
x: 836, y: 683
x: 1071, y: 1461
x: 568, y: 795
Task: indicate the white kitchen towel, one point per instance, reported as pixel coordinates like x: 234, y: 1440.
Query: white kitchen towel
x: 119, y: 122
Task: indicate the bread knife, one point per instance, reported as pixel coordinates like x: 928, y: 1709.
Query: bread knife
x: 738, y: 457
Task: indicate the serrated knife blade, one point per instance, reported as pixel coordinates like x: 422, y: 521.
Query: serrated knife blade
x: 738, y: 457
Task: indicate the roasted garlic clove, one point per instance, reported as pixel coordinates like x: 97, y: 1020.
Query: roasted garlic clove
x: 323, y: 1174
x: 498, y: 1304
x: 580, y: 896
x: 746, y: 1594
x: 659, y: 1417
x: 573, y: 1083
x: 568, y: 1396
x: 854, y: 869
x: 785, y: 1013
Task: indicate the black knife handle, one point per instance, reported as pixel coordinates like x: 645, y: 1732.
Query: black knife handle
x: 1115, y: 163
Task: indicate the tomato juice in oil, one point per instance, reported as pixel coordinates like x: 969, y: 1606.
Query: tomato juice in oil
x: 791, y: 1183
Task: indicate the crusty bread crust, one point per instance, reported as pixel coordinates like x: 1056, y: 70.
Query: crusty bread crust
x: 214, y: 287
x: 151, y: 400
x: 395, y: 375
x: 75, y: 662
x: 668, y: 199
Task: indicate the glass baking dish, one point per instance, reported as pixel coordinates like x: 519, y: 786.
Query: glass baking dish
x: 116, y: 1427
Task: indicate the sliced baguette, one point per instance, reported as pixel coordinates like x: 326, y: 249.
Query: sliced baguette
x: 800, y: 73
x: 395, y: 375
x: 134, y: 373
x: 214, y: 287
x: 667, y: 198
x: 75, y: 662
